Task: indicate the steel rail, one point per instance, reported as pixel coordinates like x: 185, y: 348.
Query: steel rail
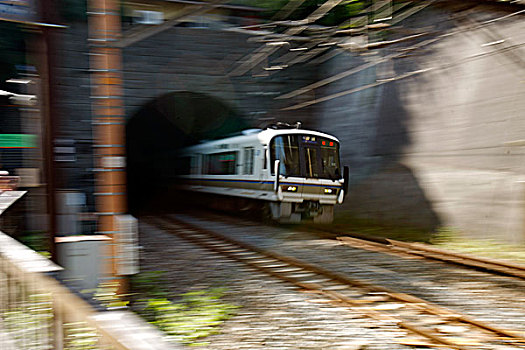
x: 432, y: 253
x: 420, y: 250
x: 501, y: 267
x: 240, y: 250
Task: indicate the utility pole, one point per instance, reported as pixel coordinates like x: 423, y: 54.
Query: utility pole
x: 108, y: 125
x: 47, y: 52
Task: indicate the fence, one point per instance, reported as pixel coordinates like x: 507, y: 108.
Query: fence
x: 38, y: 313
x: 8, y: 182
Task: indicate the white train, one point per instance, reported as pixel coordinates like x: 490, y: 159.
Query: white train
x: 293, y: 172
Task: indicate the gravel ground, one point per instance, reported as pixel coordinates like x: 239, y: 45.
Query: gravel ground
x: 276, y: 316
x: 273, y: 315
x: 496, y: 299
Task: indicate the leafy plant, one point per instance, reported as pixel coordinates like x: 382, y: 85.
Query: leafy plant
x: 79, y: 336
x: 195, y: 315
x: 106, y: 294
x: 150, y: 284
x: 36, y: 240
x: 453, y: 239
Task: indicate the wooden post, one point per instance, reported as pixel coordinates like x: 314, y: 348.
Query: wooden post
x: 108, y: 122
x: 46, y: 50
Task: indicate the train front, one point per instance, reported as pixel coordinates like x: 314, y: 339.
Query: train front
x: 307, y: 176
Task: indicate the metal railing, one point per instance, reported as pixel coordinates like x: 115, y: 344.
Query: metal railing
x: 39, y: 313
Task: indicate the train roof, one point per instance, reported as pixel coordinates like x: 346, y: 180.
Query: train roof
x: 266, y: 135
x: 258, y: 135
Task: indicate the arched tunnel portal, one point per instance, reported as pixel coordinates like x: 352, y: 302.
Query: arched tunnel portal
x: 156, y: 132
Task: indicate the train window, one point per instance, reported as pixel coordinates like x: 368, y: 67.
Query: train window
x: 248, y: 161
x: 221, y: 163
x: 204, y: 164
x: 194, y: 165
x: 330, y: 160
x: 286, y: 149
x: 306, y: 155
x: 265, y: 160
x: 310, y: 157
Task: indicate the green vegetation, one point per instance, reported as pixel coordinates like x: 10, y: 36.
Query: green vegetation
x: 79, y: 336
x: 106, y: 294
x: 336, y: 16
x: 149, y: 284
x: 193, y: 316
x: 197, y: 315
x: 26, y: 322
x: 269, y: 5
x: 36, y: 240
x: 350, y: 224
x: 29, y: 325
x: 448, y: 238
x: 443, y: 237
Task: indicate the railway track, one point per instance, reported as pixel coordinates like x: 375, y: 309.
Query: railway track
x: 405, y: 249
x: 418, y: 250
x: 435, y: 325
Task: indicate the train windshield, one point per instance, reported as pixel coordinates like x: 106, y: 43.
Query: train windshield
x: 330, y: 159
x: 306, y: 156
x: 286, y: 149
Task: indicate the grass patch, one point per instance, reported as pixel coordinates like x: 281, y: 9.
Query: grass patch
x: 36, y: 240
x: 351, y: 225
x: 451, y: 239
x: 193, y: 316
x: 443, y: 237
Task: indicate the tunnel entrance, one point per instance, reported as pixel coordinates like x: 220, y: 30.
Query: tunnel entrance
x: 156, y: 132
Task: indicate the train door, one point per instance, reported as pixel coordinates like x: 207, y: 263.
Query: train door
x: 311, y: 160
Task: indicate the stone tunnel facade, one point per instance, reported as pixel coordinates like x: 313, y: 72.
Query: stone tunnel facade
x: 430, y: 134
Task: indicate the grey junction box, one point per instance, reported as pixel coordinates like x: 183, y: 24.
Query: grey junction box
x: 82, y: 258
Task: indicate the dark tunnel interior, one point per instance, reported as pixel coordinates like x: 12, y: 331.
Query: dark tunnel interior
x: 157, y: 131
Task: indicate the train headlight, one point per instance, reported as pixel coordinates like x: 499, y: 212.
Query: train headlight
x: 289, y: 188
x: 330, y: 191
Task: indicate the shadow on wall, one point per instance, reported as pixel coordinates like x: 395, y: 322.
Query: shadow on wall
x: 386, y: 191
x: 393, y: 197
x: 156, y: 132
